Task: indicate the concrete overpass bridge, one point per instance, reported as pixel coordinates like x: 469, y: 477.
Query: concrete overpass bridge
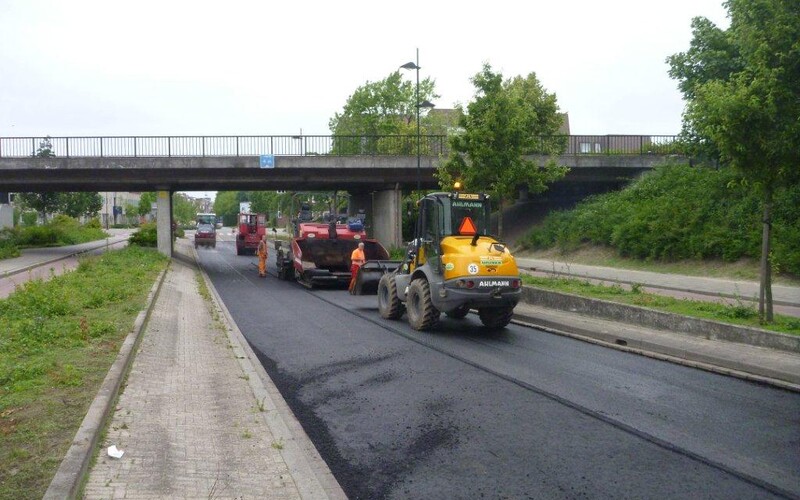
x: 373, y: 169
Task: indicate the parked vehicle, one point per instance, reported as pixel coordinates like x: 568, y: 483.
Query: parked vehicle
x: 206, y: 235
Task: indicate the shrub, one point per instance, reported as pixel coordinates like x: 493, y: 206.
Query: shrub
x: 146, y: 236
x: 679, y: 212
x: 93, y: 223
x: 29, y: 218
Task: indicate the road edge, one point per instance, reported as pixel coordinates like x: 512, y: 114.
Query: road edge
x: 660, y: 320
x: 310, y: 472
x: 71, y: 474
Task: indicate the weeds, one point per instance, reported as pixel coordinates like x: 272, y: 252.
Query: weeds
x: 58, y: 340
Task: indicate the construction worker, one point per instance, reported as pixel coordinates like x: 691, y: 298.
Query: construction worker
x: 357, y: 259
x: 262, y: 257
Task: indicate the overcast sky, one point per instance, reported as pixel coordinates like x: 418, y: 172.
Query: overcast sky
x: 70, y: 68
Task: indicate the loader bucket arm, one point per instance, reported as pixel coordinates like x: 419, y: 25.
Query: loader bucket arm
x: 370, y: 274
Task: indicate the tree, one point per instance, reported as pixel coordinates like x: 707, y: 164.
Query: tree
x: 184, y: 209
x: 505, y: 121
x: 44, y: 203
x: 146, y: 201
x: 743, y: 97
x: 79, y: 204
x: 131, y: 210
x: 226, y: 205
x: 386, y: 107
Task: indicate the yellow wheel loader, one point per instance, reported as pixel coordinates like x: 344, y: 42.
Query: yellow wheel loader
x: 452, y: 266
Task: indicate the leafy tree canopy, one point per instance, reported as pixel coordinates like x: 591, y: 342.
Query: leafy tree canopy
x: 743, y: 99
x: 386, y: 107
x: 503, y: 123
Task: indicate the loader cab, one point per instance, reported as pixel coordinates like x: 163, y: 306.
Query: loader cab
x: 444, y: 215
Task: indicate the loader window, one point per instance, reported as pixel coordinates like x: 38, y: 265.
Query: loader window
x: 432, y: 224
x: 461, y: 209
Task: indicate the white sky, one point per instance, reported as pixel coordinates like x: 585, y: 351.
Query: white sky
x: 236, y: 67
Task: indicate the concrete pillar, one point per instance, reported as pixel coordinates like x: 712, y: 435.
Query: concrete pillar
x: 6, y: 212
x: 6, y: 216
x: 164, y: 222
x: 388, y: 220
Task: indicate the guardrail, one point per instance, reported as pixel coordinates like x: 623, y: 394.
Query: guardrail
x: 307, y: 145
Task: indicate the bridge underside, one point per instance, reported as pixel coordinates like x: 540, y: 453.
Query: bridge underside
x: 378, y: 178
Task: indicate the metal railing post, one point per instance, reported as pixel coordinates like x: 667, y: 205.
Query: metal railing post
x: 67, y: 147
x: 203, y: 139
x: 135, y: 139
x: 169, y: 147
x: 237, y: 145
x: 101, y: 147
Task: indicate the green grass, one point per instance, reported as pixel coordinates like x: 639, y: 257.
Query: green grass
x: 743, y: 269
x: 61, y: 231
x: 677, y: 213
x: 58, y: 340
x: 738, y: 314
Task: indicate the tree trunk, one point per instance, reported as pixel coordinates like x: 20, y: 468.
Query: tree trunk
x: 765, y: 288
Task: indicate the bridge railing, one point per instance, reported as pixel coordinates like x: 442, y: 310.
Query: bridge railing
x: 308, y: 145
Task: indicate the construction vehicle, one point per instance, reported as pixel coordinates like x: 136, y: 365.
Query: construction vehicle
x: 250, y: 229
x: 452, y: 266
x: 319, y: 253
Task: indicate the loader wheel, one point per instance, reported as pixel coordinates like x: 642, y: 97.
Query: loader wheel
x: 459, y: 312
x: 496, y: 318
x: 421, y: 313
x: 389, y: 305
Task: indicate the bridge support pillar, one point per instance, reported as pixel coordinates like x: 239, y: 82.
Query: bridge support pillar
x: 388, y: 217
x: 6, y: 212
x: 164, y: 222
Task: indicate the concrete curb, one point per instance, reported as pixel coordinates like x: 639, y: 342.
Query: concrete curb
x: 655, y: 351
x: 707, y: 329
x: 311, y: 474
x: 72, y: 471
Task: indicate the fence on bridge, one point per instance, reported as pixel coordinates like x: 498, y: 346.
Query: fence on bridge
x: 310, y: 145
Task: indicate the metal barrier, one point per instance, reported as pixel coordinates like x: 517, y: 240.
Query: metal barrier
x: 311, y: 145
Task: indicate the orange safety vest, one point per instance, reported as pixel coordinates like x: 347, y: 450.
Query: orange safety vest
x: 357, y: 257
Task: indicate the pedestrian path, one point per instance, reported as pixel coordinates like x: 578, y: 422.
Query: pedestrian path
x: 783, y: 295
x: 188, y: 421
x: 31, y: 257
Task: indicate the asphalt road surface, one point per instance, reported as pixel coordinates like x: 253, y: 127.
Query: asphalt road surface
x: 464, y: 413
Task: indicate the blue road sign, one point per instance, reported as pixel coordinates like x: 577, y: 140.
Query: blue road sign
x: 267, y: 161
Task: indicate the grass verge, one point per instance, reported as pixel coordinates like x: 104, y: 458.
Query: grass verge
x: 743, y: 269
x: 58, y: 339
x: 738, y: 314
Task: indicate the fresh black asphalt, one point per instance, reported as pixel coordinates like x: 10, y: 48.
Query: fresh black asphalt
x: 464, y: 413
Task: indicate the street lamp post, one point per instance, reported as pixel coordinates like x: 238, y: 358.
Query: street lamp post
x: 424, y: 104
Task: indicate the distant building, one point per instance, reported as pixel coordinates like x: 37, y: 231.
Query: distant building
x: 116, y: 204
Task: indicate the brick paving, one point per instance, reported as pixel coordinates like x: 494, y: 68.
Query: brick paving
x: 187, y: 418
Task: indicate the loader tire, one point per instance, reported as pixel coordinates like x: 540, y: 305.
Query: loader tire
x: 389, y: 305
x: 421, y: 313
x: 496, y: 318
x: 459, y: 312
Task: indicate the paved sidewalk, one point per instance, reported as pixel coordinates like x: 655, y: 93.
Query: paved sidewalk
x: 782, y: 295
x: 188, y: 421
